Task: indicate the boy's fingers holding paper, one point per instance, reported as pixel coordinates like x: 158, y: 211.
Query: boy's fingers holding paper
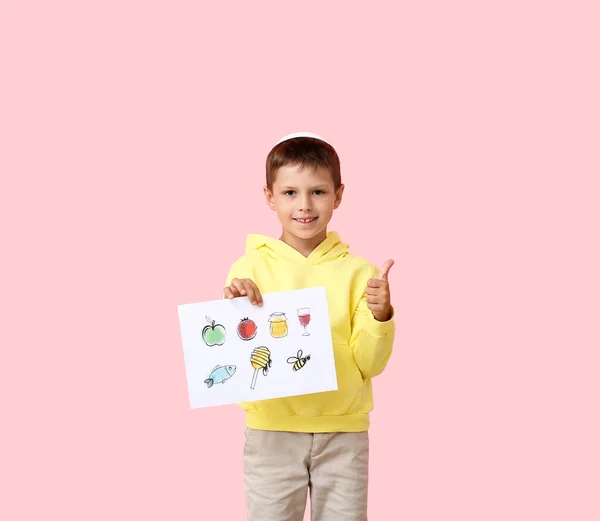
x: 238, y: 285
x: 242, y: 288
x: 252, y: 291
x: 241, y: 285
x: 256, y: 291
x: 231, y: 291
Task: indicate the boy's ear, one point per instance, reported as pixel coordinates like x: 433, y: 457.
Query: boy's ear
x: 338, y: 196
x: 270, y: 200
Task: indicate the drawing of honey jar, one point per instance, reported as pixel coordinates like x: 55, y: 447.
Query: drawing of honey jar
x: 278, y: 327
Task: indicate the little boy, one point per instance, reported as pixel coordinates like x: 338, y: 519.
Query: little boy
x: 317, y: 442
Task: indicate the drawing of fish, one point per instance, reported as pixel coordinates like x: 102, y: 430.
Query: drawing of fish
x: 220, y: 375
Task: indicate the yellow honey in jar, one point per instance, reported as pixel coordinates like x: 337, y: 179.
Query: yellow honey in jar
x: 278, y: 327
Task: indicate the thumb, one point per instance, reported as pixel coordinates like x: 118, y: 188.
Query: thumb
x: 385, y: 268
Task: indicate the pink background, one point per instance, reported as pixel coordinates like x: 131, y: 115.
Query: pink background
x: 132, y: 144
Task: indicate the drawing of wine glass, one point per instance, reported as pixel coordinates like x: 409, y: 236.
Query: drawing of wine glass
x: 304, y: 318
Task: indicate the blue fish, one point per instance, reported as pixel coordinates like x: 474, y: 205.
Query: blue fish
x: 220, y: 375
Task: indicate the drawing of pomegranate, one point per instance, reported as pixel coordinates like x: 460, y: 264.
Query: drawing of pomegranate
x: 246, y: 329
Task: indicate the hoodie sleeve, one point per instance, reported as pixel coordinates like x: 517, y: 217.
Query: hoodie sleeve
x: 371, y: 341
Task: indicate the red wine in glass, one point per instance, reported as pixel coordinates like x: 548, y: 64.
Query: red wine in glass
x: 304, y: 318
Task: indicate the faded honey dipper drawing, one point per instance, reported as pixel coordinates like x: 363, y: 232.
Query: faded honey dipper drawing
x: 260, y: 359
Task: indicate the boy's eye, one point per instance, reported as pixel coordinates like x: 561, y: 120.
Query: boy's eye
x: 289, y: 192
x: 319, y: 192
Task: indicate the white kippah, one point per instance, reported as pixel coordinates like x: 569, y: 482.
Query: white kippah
x: 300, y: 134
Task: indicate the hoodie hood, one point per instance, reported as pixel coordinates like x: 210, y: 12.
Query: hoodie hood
x: 330, y: 249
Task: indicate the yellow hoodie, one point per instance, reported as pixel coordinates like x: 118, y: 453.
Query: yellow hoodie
x: 362, y: 345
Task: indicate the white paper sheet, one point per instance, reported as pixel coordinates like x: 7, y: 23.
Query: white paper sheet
x: 301, y: 359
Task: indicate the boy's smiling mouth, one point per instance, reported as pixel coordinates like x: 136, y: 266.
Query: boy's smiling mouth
x: 306, y: 221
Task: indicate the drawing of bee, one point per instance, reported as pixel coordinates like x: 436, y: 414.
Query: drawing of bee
x: 298, y: 361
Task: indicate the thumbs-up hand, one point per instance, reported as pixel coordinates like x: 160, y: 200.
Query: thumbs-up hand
x: 378, y: 294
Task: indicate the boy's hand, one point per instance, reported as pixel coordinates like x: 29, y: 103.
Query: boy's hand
x: 243, y: 288
x: 378, y: 294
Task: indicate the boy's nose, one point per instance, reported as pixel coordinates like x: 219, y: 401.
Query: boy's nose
x: 305, y: 205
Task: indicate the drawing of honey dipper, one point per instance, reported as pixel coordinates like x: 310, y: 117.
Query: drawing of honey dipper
x: 260, y: 359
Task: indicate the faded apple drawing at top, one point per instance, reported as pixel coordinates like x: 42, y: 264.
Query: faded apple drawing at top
x: 213, y: 334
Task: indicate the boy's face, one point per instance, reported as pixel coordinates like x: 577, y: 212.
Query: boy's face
x: 304, y: 199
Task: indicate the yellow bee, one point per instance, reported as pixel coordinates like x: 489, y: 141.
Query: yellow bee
x: 298, y: 361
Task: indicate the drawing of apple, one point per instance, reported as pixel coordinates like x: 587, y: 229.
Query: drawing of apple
x: 213, y: 334
x: 246, y: 329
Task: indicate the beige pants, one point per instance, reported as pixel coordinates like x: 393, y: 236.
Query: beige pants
x: 279, y: 468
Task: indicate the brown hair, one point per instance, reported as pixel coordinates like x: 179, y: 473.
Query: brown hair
x: 303, y: 151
